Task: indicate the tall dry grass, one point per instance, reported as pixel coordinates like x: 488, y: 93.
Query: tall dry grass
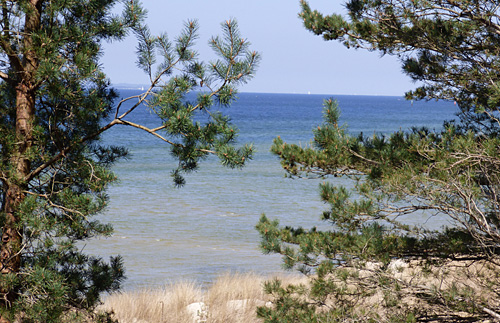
x: 235, y: 297
x: 230, y: 298
x: 167, y: 304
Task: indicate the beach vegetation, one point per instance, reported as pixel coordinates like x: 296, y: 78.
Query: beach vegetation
x: 56, y: 103
x: 417, y: 238
x: 231, y: 298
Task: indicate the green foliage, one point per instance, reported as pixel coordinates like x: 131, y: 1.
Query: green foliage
x: 54, y: 170
x: 451, y: 176
x: 433, y: 176
x: 449, y: 46
x: 197, y: 129
x: 68, y: 172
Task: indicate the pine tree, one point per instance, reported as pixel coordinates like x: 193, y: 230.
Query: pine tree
x: 450, y: 46
x: 374, y: 264
x: 55, y: 104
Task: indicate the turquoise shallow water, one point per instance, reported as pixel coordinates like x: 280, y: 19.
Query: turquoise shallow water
x: 207, y: 227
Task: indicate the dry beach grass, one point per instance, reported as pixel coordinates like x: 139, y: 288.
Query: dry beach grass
x: 154, y: 305
x: 447, y: 289
x: 231, y: 298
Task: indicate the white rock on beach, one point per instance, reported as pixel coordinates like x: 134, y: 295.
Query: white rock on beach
x: 198, y: 311
x: 397, y: 266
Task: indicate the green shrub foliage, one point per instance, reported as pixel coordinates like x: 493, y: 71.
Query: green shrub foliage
x: 449, y: 176
x: 55, y: 105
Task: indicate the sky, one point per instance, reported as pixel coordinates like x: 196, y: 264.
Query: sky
x: 293, y: 60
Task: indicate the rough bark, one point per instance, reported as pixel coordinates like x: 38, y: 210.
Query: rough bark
x: 11, y: 245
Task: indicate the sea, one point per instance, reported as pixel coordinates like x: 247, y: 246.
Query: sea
x: 207, y: 228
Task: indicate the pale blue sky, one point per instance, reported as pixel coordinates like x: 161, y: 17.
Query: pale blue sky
x: 293, y: 59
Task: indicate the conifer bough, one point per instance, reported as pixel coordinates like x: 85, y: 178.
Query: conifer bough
x: 55, y: 104
x: 404, y: 182
x: 451, y: 46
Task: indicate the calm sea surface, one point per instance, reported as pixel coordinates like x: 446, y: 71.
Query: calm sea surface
x: 207, y: 227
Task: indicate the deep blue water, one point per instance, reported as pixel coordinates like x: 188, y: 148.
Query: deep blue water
x: 207, y: 227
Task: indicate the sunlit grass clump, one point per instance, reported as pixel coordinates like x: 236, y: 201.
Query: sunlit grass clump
x: 230, y: 298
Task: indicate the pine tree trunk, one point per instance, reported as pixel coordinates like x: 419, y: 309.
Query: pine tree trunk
x: 10, y: 251
x: 10, y: 258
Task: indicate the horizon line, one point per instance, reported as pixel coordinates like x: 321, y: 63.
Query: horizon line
x: 131, y: 86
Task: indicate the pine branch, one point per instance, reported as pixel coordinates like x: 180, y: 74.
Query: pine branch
x: 148, y: 130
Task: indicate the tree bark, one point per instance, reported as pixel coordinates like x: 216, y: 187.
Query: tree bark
x: 10, y: 251
x: 17, y: 185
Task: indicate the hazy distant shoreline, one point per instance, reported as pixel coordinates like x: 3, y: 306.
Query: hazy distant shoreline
x: 130, y: 86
